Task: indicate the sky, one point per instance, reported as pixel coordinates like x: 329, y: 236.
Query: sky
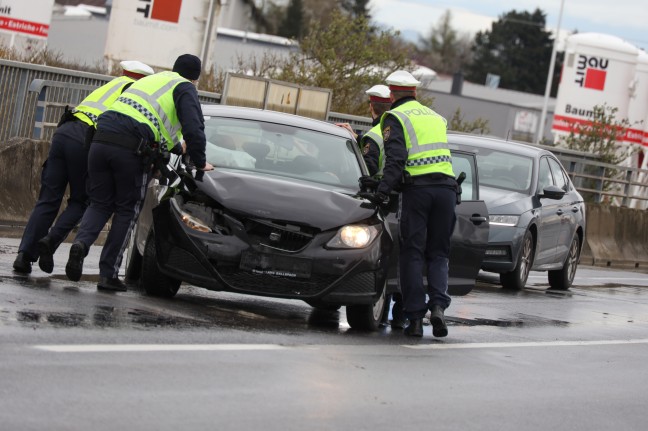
x: 626, y: 19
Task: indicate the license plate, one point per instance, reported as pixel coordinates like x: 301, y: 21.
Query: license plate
x: 274, y: 264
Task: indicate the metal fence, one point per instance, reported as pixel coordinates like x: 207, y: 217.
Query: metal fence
x: 32, y: 99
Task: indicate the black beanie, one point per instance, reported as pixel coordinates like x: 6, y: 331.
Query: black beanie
x: 188, y: 66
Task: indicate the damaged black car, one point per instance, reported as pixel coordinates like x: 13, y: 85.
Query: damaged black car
x: 279, y: 216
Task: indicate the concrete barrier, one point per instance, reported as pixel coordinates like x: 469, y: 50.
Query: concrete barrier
x: 616, y: 237
x: 22, y: 161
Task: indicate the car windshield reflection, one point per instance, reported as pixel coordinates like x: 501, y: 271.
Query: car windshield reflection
x: 281, y: 150
x: 506, y: 171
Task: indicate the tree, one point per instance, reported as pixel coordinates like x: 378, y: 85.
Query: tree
x: 346, y: 55
x: 444, y: 50
x: 601, y: 137
x: 458, y: 123
x: 517, y: 48
x: 357, y: 8
x: 293, y: 23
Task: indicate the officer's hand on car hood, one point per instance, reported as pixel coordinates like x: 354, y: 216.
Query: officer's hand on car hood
x: 376, y: 198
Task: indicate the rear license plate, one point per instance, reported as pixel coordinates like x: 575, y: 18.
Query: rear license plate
x: 273, y: 264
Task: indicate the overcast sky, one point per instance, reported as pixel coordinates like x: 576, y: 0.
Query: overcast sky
x: 627, y: 19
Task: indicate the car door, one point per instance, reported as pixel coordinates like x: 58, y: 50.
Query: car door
x: 567, y: 212
x: 549, y: 217
x: 470, y: 236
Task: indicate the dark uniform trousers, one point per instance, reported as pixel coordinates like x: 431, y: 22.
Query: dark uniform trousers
x: 117, y: 183
x: 427, y: 220
x: 67, y: 162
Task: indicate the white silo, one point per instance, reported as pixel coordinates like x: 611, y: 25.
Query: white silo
x: 598, y: 70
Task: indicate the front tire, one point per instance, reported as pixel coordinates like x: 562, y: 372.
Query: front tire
x: 367, y: 317
x: 153, y: 281
x: 133, y: 261
x: 562, y: 279
x: 516, y: 279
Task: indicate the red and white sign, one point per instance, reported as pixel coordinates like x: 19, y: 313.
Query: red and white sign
x: 598, y: 71
x: 156, y: 32
x: 26, y: 17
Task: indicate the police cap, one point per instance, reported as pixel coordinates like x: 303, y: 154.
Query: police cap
x: 379, y: 93
x: 136, y: 69
x: 402, y: 80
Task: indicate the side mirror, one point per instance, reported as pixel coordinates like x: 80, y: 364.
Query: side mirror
x: 553, y: 192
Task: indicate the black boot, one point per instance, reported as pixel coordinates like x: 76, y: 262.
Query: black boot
x: 113, y: 284
x: 439, y: 328
x: 398, y: 316
x: 22, y: 264
x: 45, y: 255
x: 74, y: 267
x: 415, y: 328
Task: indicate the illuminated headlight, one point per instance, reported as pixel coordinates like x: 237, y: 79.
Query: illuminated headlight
x: 504, y: 220
x: 353, y: 236
x: 194, y: 222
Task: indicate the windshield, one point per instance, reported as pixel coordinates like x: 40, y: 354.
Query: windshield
x: 280, y: 149
x: 506, y: 171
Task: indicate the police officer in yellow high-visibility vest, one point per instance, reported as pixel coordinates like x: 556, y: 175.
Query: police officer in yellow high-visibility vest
x: 418, y: 160
x: 158, y: 110
x: 67, y: 164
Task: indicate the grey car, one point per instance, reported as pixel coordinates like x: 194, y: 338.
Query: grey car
x: 537, y: 217
x: 279, y: 216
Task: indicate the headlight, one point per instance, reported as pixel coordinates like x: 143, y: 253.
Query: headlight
x: 194, y: 222
x: 353, y: 236
x: 504, y: 220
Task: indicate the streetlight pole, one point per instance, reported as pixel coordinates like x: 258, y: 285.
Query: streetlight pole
x: 552, y: 64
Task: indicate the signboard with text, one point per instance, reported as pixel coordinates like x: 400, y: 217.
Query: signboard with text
x: 156, y: 32
x: 26, y: 17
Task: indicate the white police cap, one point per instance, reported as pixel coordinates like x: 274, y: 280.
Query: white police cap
x: 378, y: 92
x: 402, y: 78
x: 136, y: 67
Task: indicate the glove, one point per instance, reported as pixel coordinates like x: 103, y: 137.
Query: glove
x: 378, y: 198
x: 367, y: 182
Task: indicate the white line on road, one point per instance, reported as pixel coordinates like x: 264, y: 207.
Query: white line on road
x: 91, y: 348
x: 527, y: 344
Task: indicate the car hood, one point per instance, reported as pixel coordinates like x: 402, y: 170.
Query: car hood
x: 279, y: 198
x: 502, y: 201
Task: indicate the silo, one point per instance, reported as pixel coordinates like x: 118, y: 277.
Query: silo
x: 638, y: 106
x: 598, y: 69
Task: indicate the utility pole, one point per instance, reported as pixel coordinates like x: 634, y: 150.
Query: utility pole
x: 552, y: 64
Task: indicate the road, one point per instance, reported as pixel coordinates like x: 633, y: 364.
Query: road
x: 73, y: 358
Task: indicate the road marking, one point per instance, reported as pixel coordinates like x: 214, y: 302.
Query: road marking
x: 92, y: 348
x: 526, y: 344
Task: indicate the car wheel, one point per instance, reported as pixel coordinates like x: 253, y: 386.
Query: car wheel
x: 323, y: 306
x: 516, y: 279
x: 133, y: 261
x: 563, y: 278
x: 367, y: 317
x: 153, y: 281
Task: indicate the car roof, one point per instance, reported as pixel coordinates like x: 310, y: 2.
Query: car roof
x: 274, y: 117
x: 479, y: 141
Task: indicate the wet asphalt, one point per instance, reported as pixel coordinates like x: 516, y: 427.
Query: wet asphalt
x: 72, y: 357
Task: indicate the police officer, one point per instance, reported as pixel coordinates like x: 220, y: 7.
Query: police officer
x: 418, y: 159
x: 67, y: 163
x: 157, y: 111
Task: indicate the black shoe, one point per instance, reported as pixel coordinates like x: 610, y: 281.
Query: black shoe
x: 398, y: 317
x: 45, y: 255
x: 415, y: 328
x: 22, y: 264
x: 439, y: 328
x: 74, y: 267
x: 113, y: 284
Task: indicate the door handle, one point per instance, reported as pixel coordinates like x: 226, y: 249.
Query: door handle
x: 559, y: 212
x: 477, y: 219
x: 575, y: 209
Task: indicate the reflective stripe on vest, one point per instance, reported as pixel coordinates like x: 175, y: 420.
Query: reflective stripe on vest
x: 376, y: 135
x: 150, y: 100
x: 428, y: 150
x: 97, y: 102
